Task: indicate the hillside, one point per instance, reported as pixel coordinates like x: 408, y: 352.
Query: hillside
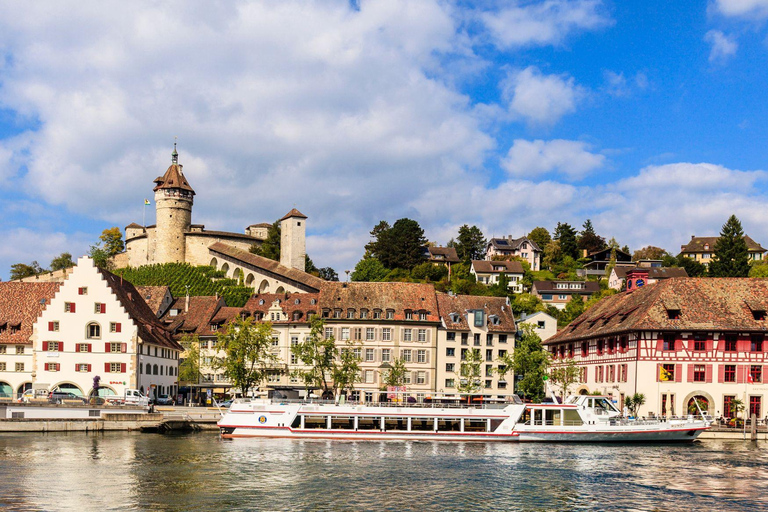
x: 200, y: 280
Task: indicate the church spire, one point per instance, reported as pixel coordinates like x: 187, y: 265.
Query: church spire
x: 174, y: 155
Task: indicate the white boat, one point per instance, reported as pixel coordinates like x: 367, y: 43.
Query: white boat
x: 584, y: 418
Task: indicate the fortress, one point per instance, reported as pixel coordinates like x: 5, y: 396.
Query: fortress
x: 174, y: 239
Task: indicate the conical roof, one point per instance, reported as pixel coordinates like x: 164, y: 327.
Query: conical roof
x: 174, y: 176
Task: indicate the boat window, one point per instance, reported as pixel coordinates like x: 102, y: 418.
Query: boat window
x: 449, y: 425
x: 495, y: 424
x: 315, y: 422
x: 368, y: 423
x: 475, y: 425
x: 422, y: 424
x: 572, y: 417
x: 343, y: 422
x: 395, y: 423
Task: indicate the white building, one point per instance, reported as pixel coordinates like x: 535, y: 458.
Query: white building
x: 545, y: 324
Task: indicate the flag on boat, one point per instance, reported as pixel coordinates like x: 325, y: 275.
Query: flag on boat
x: 146, y: 202
x: 664, y: 375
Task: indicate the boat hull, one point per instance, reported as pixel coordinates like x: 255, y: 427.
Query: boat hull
x: 675, y: 435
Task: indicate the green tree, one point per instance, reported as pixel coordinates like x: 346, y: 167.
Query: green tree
x: 346, y: 370
x: 469, y: 371
x: 573, y: 309
x: 401, y: 246
x: 22, y: 270
x: 378, y: 239
x: 428, y: 271
x: 565, y: 375
x: 737, y: 405
x: 328, y: 274
x: 649, y: 252
x: 526, y: 303
x: 100, y: 257
x: 62, y: 261
x: 111, y: 240
x: 395, y: 376
x: 553, y: 255
x: 589, y: 240
x: 189, y: 366
x: 270, y: 247
x: 530, y: 362
x: 692, y: 267
x: 470, y: 244
x: 566, y: 235
x: 309, y: 265
x: 318, y: 353
x: 369, y: 269
x: 634, y: 402
x: 248, y: 359
x: 759, y: 269
x: 731, y: 256
x: 540, y: 236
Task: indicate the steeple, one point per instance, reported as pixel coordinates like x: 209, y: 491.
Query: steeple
x: 174, y: 155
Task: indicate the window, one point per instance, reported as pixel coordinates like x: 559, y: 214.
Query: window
x: 421, y: 377
x: 730, y: 342
x: 421, y: 356
x: 275, y: 341
x: 408, y: 314
x: 562, y: 297
x: 368, y: 376
x: 369, y: 334
x: 344, y: 333
x: 756, y: 372
x: 477, y: 339
x: 358, y: 353
x: 53, y: 326
x: 584, y: 349
x: 729, y: 374
x: 754, y: 405
x: 83, y: 290
x: 756, y: 343
x: 328, y: 332
x: 422, y: 315
x: 2, y: 367
x: 673, y: 314
x: 489, y: 340
x: 699, y: 373
x: 489, y: 355
x: 386, y: 355
x: 99, y: 307
x: 52, y: 346
x: 369, y: 354
x: 93, y: 331
x: 758, y: 315
x: 19, y: 367
x: 390, y: 314
x: 670, y: 369
x: 116, y: 367
x: 407, y: 378
x: 351, y: 313
x: 407, y: 356
x: 546, y: 296
x: 599, y: 347
x: 728, y: 406
x: 502, y: 338
x: 464, y: 338
x: 377, y: 314
x: 449, y: 383
x: 489, y: 370
x: 2, y: 349
x: 19, y: 349
x: 479, y: 318
x: 422, y: 335
x: 69, y: 307
x: 336, y: 313
x: 117, y: 347
x: 450, y: 367
x: 699, y: 342
x: 357, y: 333
x: 407, y: 335
x: 51, y: 367
x: 386, y: 334
x: 669, y: 341
x: 450, y: 352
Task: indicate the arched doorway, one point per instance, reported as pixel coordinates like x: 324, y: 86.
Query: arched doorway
x: 264, y: 286
x: 703, y: 403
x: 21, y: 389
x: 225, y: 268
x: 214, y: 262
x: 280, y: 289
x: 704, y: 398
x: 68, y: 387
x: 237, y: 275
x: 6, y: 391
x: 249, y: 280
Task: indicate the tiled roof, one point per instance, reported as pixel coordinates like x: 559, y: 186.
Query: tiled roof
x: 294, y: 213
x: 173, y: 178
x: 697, y: 244
x: 507, y: 244
x: 288, y: 303
x: 704, y: 304
x: 20, y: 305
x: 260, y: 225
x: 225, y: 234
x: 195, y: 320
x: 448, y: 254
x: 149, y: 327
x: 486, y: 267
x: 133, y: 225
x: 397, y: 296
x: 550, y: 287
x: 653, y: 272
x: 153, y: 296
x: 448, y: 304
x: 268, y: 265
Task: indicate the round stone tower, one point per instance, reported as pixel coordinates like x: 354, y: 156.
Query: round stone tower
x: 173, y: 208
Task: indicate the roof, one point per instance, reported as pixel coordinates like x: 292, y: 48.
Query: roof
x: 704, y: 304
x: 448, y: 254
x: 550, y: 287
x: 294, y: 213
x: 397, y: 296
x: 509, y: 243
x: 20, y: 305
x: 196, y: 319
x: 173, y: 178
x: 149, y: 327
x: 268, y: 265
x: 487, y: 267
x: 653, y: 272
x: 606, y: 253
x: 134, y: 225
x: 223, y: 234
x: 301, y: 303
x: 260, y: 225
x: 461, y: 304
x: 697, y: 244
x: 153, y: 296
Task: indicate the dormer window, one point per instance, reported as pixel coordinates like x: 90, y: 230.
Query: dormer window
x: 173, y: 312
x: 673, y: 314
x: 479, y: 315
x: 455, y: 317
x: 261, y: 302
x: 326, y: 313
x: 758, y: 315
x: 494, y: 319
x: 408, y: 314
x: 363, y: 314
x: 214, y: 327
x: 377, y: 314
x: 313, y: 301
x: 390, y: 314
x: 297, y: 301
x: 350, y: 313
x: 422, y: 315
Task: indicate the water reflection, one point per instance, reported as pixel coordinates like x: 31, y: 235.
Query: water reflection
x: 119, y: 471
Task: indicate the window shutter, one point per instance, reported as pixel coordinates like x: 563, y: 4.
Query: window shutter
x: 659, y: 344
x: 50, y: 326
x: 77, y: 347
x: 61, y: 346
x: 117, y: 327
x: 709, y: 373
x: 72, y: 307
x: 741, y: 377
x: 658, y: 372
x: 429, y: 339
x: 103, y: 307
x: 402, y: 334
x: 58, y: 367
x: 742, y: 346
x: 79, y: 291
x: 107, y: 347
x: 106, y: 367
x: 76, y: 367
x: 428, y: 351
x: 721, y: 344
x: 124, y: 347
x: 89, y: 347
x: 45, y: 346
x: 710, y: 345
x: 89, y: 367
x: 678, y: 373
x: 122, y: 367
x: 721, y: 373
x: 690, y: 373
x: 401, y: 353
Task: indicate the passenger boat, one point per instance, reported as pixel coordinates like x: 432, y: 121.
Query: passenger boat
x: 582, y: 418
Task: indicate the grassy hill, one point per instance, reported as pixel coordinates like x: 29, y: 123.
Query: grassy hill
x: 201, y: 280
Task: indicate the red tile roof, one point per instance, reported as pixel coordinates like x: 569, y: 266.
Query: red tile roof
x: 196, y: 319
x: 448, y: 254
x: 288, y: 303
x: 589, y: 288
x: 173, y: 178
x: 487, y: 267
x: 461, y: 304
x: 697, y: 244
x: 20, y: 305
x: 397, y: 296
x: 153, y: 296
x: 653, y: 272
x: 294, y: 213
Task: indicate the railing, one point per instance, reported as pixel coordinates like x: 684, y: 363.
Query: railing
x: 429, y: 405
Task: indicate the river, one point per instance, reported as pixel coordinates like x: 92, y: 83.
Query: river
x: 131, y: 471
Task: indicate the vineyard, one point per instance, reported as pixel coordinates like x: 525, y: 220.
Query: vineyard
x: 183, y: 278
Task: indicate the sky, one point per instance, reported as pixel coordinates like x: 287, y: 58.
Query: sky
x: 647, y: 117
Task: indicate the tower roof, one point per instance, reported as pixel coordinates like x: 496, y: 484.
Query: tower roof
x: 174, y: 176
x: 294, y: 213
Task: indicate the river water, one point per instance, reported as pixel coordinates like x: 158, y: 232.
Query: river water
x: 131, y: 471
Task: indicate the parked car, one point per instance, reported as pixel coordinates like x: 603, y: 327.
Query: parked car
x: 56, y: 397
x: 164, y: 400
x: 227, y: 403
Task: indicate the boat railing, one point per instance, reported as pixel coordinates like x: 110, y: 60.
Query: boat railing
x: 393, y: 404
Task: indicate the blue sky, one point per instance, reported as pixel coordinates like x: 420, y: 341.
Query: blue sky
x: 647, y: 117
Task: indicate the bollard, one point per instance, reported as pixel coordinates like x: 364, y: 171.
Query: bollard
x: 753, y: 428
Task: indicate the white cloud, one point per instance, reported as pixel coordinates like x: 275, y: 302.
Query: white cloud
x: 529, y: 159
x: 755, y: 9
x: 539, y: 98
x: 723, y: 46
x: 543, y: 23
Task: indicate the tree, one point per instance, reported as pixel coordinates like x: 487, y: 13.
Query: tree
x: 318, y: 353
x: 395, y: 376
x: 270, y: 247
x: 526, y: 303
x: 111, y: 239
x: 100, y: 257
x: 566, y: 235
x: 189, y: 367
x: 62, y: 261
x: 530, y: 362
x: 759, y: 269
x: 428, y: 271
x: 470, y: 244
x: 328, y: 274
x: 21, y: 270
x: 737, y: 405
x: 469, y: 371
x: 634, y: 402
x: 553, y: 254
x: 248, y: 359
x: 540, y: 236
x: 611, y: 263
x: 347, y: 370
x: 731, y: 255
x: 565, y: 375
x: 401, y: 246
x: 649, y: 252
x: 309, y: 265
x: 692, y: 267
x: 378, y: 239
x: 369, y: 269
x: 589, y: 240
x: 573, y: 309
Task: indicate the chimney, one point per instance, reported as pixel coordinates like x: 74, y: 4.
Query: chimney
x: 186, y: 305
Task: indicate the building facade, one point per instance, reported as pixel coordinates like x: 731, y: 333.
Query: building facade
x: 702, y: 249
x: 489, y: 273
x: 559, y: 293
x: 522, y: 247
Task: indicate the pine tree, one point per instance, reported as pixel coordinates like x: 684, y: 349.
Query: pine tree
x: 731, y: 256
x: 566, y: 235
x: 470, y: 244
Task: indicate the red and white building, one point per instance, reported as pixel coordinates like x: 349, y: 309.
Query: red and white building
x: 707, y: 335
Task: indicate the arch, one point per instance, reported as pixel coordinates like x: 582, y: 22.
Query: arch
x: 701, y: 395
x: 6, y: 390
x: 280, y: 289
x: 23, y: 387
x: 249, y: 280
x: 68, y: 387
x: 154, y: 370
x: 237, y: 274
x: 264, y: 286
x: 582, y: 390
x: 214, y: 263
x: 93, y: 331
x: 225, y: 268
x: 105, y: 391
